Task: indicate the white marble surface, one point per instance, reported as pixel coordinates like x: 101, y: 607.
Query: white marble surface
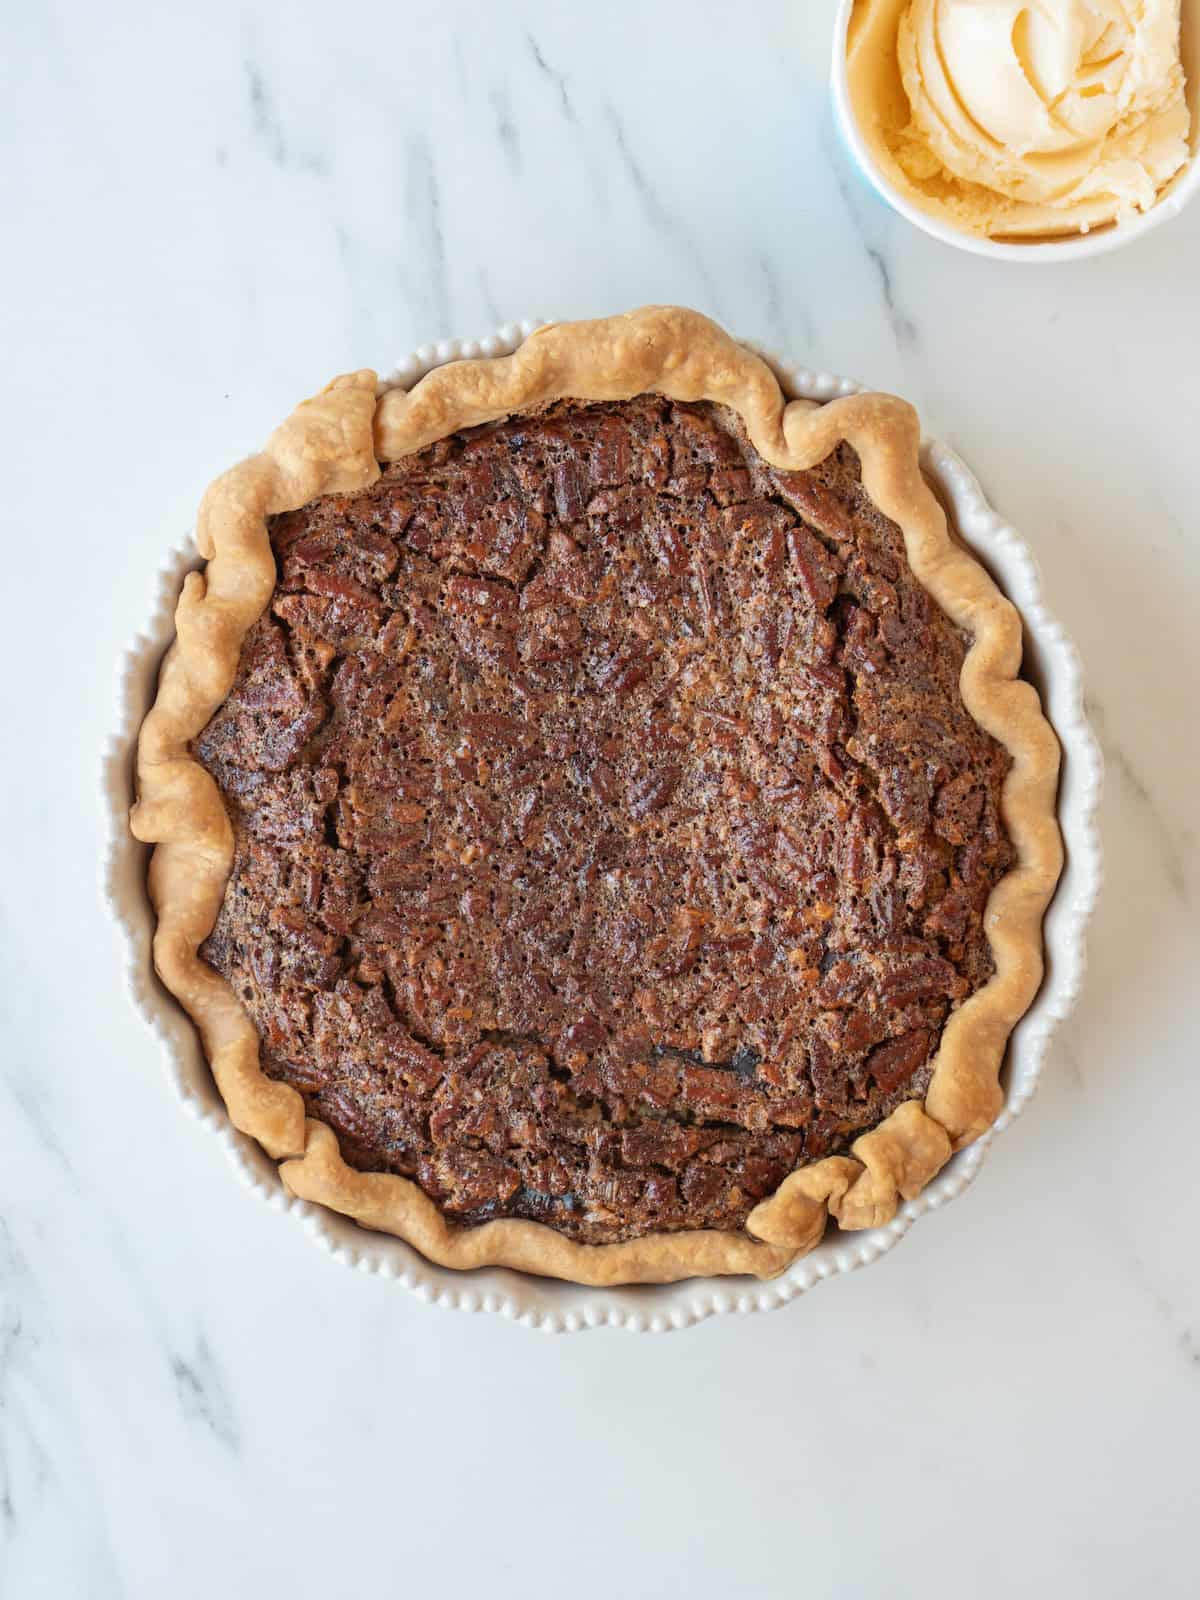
x: 209, y: 210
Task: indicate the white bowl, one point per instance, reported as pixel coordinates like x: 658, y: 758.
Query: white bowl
x: 1070, y: 247
x: 562, y: 1307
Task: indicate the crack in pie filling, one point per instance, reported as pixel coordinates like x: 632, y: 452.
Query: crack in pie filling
x: 609, y: 838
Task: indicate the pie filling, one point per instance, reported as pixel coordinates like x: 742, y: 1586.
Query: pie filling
x: 611, y: 836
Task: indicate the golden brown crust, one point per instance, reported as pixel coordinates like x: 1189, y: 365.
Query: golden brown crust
x: 325, y: 447
x: 394, y: 1205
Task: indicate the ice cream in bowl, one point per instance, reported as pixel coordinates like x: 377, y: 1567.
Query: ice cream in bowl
x: 1023, y: 128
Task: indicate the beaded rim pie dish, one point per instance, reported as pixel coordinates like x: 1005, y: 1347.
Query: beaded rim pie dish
x: 330, y: 446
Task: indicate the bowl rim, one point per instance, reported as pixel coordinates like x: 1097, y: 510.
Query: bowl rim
x: 547, y: 1304
x: 1072, y: 247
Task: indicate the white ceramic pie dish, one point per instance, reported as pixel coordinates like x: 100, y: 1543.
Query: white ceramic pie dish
x: 561, y: 1307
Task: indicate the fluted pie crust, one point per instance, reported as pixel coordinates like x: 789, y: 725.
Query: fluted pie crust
x: 333, y: 444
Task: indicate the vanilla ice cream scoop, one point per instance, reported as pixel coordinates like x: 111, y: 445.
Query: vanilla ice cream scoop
x: 1025, y: 117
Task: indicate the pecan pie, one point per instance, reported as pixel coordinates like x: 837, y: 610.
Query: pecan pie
x: 600, y: 827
